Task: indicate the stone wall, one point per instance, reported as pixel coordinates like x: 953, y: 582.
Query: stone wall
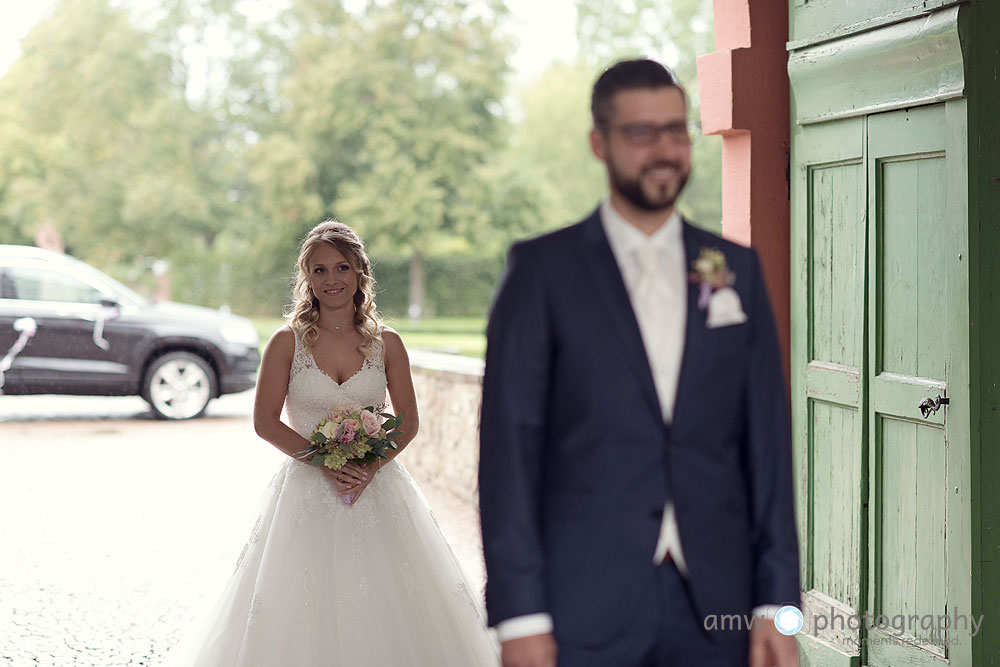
x: 449, y: 392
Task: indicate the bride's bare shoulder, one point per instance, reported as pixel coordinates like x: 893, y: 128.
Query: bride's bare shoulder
x: 393, y: 345
x: 391, y: 337
x: 281, y: 344
x: 283, y: 335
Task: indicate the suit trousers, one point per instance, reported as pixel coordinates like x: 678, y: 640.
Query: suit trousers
x: 673, y: 637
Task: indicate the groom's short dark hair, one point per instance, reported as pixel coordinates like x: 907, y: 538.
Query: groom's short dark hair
x: 627, y: 75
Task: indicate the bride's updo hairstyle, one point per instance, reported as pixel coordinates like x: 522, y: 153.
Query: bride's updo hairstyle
x: 304, y: 313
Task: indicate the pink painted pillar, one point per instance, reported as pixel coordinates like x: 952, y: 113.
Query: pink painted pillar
x: 744, y: 98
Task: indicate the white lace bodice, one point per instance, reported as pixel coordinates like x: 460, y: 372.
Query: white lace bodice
x: 311, y: 392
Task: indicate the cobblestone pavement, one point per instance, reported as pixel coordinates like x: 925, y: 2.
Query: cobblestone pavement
x: 115, y: 527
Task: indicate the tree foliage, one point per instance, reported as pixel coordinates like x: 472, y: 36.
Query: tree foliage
x: 194, y: 131
x: 390, y: 119
x: 673, y: 31
x: 97, y: 138
x: 553, y: 134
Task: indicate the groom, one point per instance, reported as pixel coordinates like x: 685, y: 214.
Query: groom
x: 635, y: 467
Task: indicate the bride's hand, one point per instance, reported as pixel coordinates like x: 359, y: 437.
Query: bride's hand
x: 368, y: 471
x: 348, y: 477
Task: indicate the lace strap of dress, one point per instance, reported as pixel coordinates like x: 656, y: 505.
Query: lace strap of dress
x: 301, y: 359
x: 377, y: 357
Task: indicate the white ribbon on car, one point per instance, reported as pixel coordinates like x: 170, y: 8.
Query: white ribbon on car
x: 27, y: 327
x: 103, y: 315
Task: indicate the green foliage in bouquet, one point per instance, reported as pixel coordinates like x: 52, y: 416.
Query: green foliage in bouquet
x: 354, y: 435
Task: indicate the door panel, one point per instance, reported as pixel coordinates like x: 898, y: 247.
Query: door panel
x: 836, y: 479
x: 828, y: 240
x: 913, y: 468
x: 909, y: 315
x: 873, y: 313
x: 911, y: 259
x: 837, y: 203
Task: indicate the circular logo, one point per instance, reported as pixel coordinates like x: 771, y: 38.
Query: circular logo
x: 788, y: 620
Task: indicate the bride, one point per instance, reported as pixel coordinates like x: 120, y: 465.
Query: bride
x: 343, y: 567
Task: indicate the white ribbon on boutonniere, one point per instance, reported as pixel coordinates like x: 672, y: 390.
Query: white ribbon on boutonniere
x: 716, y: 293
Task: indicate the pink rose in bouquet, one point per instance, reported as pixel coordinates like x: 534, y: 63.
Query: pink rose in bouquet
x: 370, y: 423
x: 352, y: 435
x: 348, y: 431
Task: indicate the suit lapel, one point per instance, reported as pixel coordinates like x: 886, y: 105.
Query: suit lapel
x: 610, y: 287
x: 694, y: 339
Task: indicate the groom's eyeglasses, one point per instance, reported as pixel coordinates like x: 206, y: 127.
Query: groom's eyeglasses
x: 644, y: 134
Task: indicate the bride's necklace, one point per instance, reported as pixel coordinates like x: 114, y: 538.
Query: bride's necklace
x: 340, y: 328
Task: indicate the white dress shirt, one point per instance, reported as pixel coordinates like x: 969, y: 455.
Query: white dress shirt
x: 662, y: 319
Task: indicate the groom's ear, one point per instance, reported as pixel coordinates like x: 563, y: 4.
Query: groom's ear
x: 597, y: 143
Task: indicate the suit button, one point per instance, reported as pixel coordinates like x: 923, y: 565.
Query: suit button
x: 657, y: 514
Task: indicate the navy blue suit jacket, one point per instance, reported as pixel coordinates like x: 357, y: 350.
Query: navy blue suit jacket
x: 576, y: 461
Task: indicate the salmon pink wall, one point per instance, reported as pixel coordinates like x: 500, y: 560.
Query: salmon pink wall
x: 744, y: 98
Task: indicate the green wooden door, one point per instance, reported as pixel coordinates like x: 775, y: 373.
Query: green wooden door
x: 909, y: 310
x: 877, y: 265
x: 882, y: 310
x: 828, y: 350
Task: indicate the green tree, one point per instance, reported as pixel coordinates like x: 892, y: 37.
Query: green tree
x: 128, y: 127
x: 552, y: 136
x: 392, y: 119
x: 552, y: 142
x: 97, y: 136
x: 675, y: 32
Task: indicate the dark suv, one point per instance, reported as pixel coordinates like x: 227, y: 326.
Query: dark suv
x: 67, y: 328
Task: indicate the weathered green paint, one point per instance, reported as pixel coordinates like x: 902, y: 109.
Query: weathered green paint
x: 900, y: 65
x: 815, y: 652
x: 982, y: 323
x: 828, y: 356
x: 896, y: 394
x: 836, y: 478
x: 885, y: 651
x: 895, y: 187
x: 960, y: 535
x: 812, y: 21
x: 834, y: 383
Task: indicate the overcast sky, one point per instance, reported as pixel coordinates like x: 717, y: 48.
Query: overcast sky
x: 545, y: 29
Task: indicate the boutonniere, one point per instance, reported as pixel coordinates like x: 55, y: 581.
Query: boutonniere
x: 716, y: 292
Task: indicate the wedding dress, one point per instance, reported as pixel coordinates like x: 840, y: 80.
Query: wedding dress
x: 323, y: 583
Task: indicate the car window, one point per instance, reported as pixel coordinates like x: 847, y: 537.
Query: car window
x: 6, y: 286
x: 47, y: 285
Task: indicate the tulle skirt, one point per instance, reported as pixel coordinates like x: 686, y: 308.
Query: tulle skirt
x: 322, y: 583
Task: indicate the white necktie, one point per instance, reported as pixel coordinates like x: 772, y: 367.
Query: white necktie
x: 653, y: 302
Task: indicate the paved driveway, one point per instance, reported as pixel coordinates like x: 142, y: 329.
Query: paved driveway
x: 115, y: 527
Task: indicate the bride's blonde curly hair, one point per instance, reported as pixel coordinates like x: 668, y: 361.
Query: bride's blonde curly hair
x: 303, y: 315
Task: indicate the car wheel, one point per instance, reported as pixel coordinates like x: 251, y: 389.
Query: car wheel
x: 178, y: 385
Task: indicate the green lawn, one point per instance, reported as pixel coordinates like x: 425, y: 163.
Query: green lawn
x: 455, y: 335
x: 265, y: 327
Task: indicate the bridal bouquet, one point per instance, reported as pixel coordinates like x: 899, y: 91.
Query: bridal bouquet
x: 352, y: 435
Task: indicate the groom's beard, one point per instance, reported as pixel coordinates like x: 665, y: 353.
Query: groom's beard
x: 657, y: 197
